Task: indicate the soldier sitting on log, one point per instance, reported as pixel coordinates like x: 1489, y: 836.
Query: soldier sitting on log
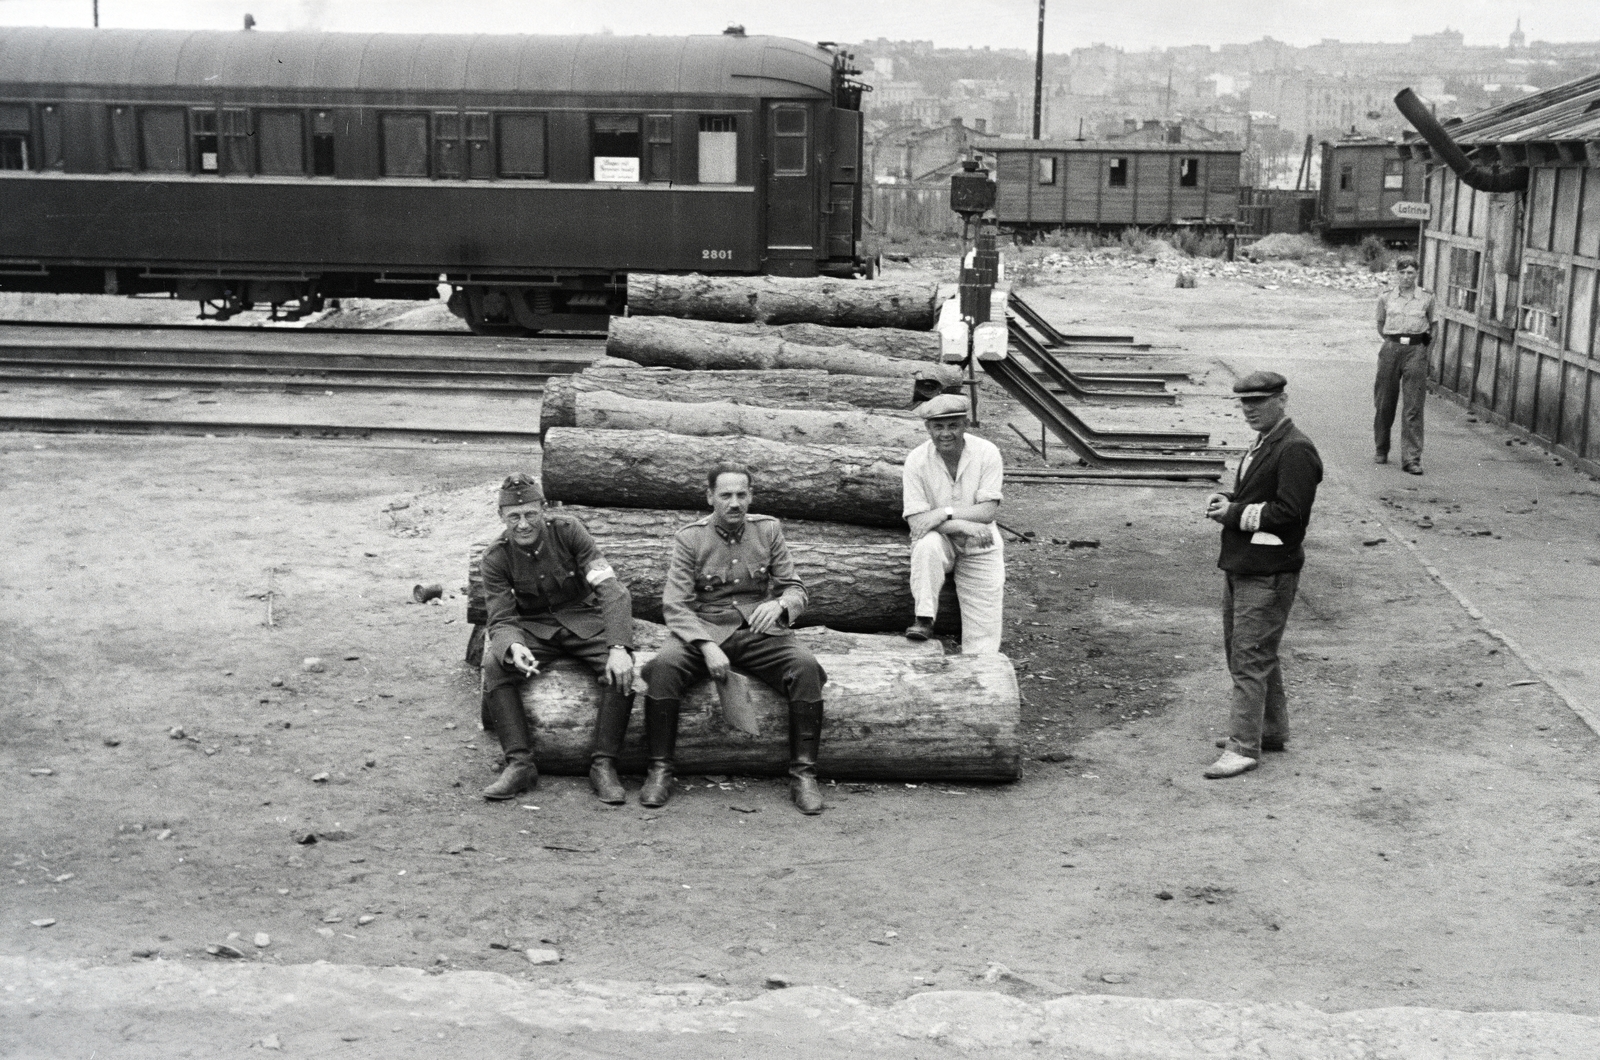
x: 951, y: 492
x: 730, y: 597
x: 550, y: 593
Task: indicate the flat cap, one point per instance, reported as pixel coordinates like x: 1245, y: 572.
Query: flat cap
x: 944, y: 405
x: 1260, y: 385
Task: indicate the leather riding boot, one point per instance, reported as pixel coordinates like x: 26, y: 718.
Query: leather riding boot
x: 504, y: 708
x: 661, y: 737
x: 805, y: 735
x: 609, y: 727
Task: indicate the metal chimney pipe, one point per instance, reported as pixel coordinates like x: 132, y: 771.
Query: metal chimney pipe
x: 1472, y: 174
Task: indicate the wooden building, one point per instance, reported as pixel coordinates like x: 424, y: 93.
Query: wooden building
x: 1362, y: 178
x: 1515, y: 271
x: 1046, y: 184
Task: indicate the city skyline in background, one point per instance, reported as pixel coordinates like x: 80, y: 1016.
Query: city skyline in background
x: 1133, y: 25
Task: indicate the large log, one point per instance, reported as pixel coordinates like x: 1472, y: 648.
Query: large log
x: 911, y: 717
x: 654, y: 469
x: 604, y: 410
x: 783, y: 388
x: 891, y: 342
x: 784, y: 300
x: 857, y: 578
x: 667, y: 343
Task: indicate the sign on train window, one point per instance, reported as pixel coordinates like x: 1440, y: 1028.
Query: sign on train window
x: 719, y: 149
x: 162, y: 132
x: 1047, y: 170
x: 13, y: 137
x: 1117, y: 173
x: 280, y: 133
x: 405, y: 145
x: 617, y: 148
x: 789, y: 141
x: 1188, y: 172
x: 521, y: 143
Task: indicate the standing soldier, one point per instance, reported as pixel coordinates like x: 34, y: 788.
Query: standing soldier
x: 730, y: 598
x: 1405, y: 323
x: 552, y: 594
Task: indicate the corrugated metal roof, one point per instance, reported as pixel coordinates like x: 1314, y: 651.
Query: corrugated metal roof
x: 1567, y: 113
x: 704, y: 65
x: 1119, y: 147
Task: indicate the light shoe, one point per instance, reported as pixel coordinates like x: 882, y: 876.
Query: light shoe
x: 920, y: 630
x: 1230, y: 765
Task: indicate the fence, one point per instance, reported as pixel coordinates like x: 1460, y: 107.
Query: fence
x: 904, y: 211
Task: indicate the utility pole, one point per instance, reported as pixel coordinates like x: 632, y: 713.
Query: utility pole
x: 96, y: 14
x: 1038, y: 76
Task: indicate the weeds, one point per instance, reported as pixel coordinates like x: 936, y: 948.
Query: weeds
x: 1373, y: 254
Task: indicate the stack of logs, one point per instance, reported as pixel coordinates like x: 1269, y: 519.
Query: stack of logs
x: 811, y: 384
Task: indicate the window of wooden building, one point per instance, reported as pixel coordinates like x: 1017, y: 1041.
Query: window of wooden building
x: 404, y: 145
x: 1394, y: 174
x: 1047, y: 170
x: 281, y: 134
x: 15, y: 129
x: 719, y: 149
x: 521, y: 143
x: 1544, y: 300
x: 1462, y: 292
x: 163, y: 134
x: 1117, y: 173
x: 1347, y: 178
x: 1188, y: 172
x: 617, y: 148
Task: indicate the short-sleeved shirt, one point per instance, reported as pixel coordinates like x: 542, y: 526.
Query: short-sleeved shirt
x: 1407, y: 314
x: 926, y: 483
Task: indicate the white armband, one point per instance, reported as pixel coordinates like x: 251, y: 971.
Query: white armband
x: 1250, y: 518
x: 600, y: 572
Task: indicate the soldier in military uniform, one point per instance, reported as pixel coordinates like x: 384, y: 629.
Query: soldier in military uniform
x: 730, y: 598
x: 551, y: 593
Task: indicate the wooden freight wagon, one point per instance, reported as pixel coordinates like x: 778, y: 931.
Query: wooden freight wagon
x: 1362, y: 177
x: 1047, y: 184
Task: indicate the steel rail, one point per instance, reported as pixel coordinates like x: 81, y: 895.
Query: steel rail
x: 1133, y: 391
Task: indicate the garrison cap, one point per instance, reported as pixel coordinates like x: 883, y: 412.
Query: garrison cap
x: 1259, y: 385
x: 944, y: 405
x: 520, y: 489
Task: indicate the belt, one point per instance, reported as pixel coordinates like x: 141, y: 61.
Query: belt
x: 1421, y: 339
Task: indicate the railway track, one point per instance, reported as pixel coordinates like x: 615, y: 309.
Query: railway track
x: 328, y: 383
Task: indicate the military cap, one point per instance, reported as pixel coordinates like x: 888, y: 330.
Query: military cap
x: 520, y: 489
x: 944, y: 405
x: 1259, y: 385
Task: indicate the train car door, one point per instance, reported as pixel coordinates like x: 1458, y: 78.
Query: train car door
x: 791, y: 191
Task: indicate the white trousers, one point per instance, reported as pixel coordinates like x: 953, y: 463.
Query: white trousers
x: 980, y: 588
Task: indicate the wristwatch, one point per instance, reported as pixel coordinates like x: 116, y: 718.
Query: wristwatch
x: 949, y: 513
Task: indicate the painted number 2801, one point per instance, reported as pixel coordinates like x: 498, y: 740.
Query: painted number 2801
x: 716, y: 255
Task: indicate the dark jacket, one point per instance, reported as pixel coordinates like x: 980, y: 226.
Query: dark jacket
x: 1282, y: 478
x: 562, y: 582
x: 713, y: 586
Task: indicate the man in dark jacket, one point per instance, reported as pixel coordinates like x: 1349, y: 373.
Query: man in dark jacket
x: 1264, y: 522
x: 550, y: 593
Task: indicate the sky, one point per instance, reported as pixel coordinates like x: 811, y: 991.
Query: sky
x: 1131, y: 24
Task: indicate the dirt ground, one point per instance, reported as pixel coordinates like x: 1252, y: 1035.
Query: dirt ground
x: 1429, y: 839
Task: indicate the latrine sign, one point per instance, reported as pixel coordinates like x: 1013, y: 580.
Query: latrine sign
x: 1413, y: 211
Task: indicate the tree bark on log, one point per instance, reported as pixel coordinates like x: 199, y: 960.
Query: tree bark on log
x: 604, y: 410
x: 660, y: 342
x: 891, y: 342
x: 783, y: 388
x: 654, y: 469
x: 911, y: 718
x: 785, y: 300
x: 858, y: 579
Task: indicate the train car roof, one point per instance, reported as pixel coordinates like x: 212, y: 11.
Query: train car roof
x: 1118, y: 146
x: 723, y: 64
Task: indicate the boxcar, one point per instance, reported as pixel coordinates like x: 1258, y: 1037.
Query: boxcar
x: 1055, y: 184
x: 1362, y: 177
x: 529, y: 173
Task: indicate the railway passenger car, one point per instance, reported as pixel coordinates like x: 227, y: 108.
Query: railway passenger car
x: 530, y: 173
x: 1076, y: 183
x: 1362, y: 177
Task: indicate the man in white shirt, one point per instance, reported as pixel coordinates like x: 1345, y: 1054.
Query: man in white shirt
x: 951, y: 485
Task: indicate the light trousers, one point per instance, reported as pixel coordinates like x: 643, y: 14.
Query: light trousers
x: 980, y: 588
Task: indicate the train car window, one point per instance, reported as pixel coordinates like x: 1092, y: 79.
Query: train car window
x: 448, y: 160
x: 238, y: 151
x: 521, y: 142
x: 1347, y: 177
x: 480, y: 158
x: 50, y: 125
x: 658, y: 140
x: 405, y: 145
x: 1117, y: 173
x: 789, y: 126
x: 1047, y: 170
x: 162, y: 132
x: 124, y: 140
x: 1188, y: 172
x: 203, y: 131
x: 617, y: 148
x: 1394, y: 178
x: 719, y: 149
x: 281, y: 136
x: 14, y: 129
x: 321, y: 143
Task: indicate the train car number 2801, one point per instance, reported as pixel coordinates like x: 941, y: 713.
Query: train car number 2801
x: 716, y: 255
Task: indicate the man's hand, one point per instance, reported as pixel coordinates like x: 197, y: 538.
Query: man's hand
x: 619, y: 671
x: 716, y: 660
x: 523, y: 660
x: 925, y: 522
x: 765, y: 617
x: 1217, y: 507
x: 964, y: 528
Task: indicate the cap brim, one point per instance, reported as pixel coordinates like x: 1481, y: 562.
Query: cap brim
x: 1245, y: 395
